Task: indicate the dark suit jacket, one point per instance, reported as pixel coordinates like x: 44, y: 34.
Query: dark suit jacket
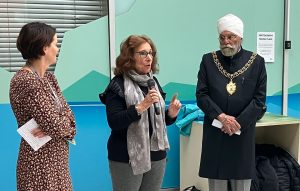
x: 224, y: 156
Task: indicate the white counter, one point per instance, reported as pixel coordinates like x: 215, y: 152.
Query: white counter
x: 273, y: 129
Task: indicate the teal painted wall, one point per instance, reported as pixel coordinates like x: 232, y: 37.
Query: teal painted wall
x: 294, y: 56
x: 184, y: 31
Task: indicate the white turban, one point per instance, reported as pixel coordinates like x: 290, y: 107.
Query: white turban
x: 232, y: 24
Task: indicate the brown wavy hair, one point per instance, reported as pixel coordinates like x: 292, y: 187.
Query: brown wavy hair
x: 125, y: 61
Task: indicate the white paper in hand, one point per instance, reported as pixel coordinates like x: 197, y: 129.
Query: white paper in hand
x: 219, y: 125
x: 34, y: 142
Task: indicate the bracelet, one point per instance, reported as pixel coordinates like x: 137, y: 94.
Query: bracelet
x: 137, y: 110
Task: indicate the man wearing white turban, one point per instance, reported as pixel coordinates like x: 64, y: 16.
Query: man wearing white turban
x: 231, y: 88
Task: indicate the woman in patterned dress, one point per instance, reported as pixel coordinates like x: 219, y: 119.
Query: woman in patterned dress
x: 34, y: 93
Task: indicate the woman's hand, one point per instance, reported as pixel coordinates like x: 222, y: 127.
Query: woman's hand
x: 37, y: 132
x: 174, y: 106
x: 151, y: 97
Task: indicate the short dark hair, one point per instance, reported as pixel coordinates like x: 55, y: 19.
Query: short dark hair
x: 33, y: 37
x: 125, y: 61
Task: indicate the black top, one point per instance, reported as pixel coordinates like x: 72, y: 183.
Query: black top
x: 224, y: 156
x: 119, y: 117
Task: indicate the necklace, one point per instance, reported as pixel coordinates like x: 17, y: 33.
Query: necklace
x: 231, y: 86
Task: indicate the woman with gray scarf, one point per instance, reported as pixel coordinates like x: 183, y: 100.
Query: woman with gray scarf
x: 138, y: 142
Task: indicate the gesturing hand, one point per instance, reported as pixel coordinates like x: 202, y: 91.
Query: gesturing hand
x: 174, y: 106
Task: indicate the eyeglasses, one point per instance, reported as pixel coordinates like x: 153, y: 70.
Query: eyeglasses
x: 230, y: 37
x: 144, y: 54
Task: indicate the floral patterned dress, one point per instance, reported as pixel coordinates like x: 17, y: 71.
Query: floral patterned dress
x: 46, y: 169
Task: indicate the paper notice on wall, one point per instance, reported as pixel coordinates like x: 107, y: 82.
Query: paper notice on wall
x: 266, y: 45
x: 34, y: 142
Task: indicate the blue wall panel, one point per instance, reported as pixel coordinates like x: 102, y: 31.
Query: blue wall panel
x: 88, y: 159
x: 9, y: 145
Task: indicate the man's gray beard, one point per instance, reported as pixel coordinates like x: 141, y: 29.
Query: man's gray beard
x: 228, y: 50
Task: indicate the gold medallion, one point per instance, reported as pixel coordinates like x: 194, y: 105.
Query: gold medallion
x: 231, y: 87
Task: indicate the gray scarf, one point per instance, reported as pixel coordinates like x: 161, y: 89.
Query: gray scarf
x: 139, y: 144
